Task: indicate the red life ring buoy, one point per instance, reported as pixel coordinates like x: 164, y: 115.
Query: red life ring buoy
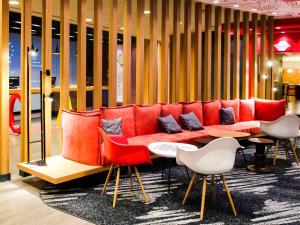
x: 12, y: 125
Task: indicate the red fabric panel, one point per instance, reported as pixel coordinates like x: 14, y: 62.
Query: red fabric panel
x: 174, y: 109
x: 127, y: 115
x: 80, y: 139
x: 195, y: 107
x: 211, y: 112
x: 247, y: 112
x: 146, y: 119
x: 269, y: 110
x: 235, y: 104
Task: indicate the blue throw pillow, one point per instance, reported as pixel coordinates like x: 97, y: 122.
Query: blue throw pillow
x: 190, y: 121
x: 227, y: 116
x: 169, y: 125
x: 112, y: 126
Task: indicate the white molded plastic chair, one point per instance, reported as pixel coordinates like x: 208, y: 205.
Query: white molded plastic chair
x: 283, y: 129
x: 216, y: 158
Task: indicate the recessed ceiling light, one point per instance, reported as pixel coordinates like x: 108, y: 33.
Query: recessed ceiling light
x: 89, y: 34
x: 14, y: 2
x: 236, y: 6
x: 91, y: 39
x: 122, y: 28
x: 147, y: 12
x: 19, y: 22
x: 16, y: 28
x: 53, y: 28
x: 277, y: 28
x: 88, y: 20
x: 71, y: 36
x: 57, y: 34
x: 254, y: 9
x: 35, y: 25
x: 180, y: 23
x: 283, y: 32
x: 216, y: 2
x: 274, y: 13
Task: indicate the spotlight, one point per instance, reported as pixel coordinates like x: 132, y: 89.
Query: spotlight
x: 274, y: 89
x: 14, y: 2
x: 33, y: 51
x: 265, y: 76
x: 270, y: 63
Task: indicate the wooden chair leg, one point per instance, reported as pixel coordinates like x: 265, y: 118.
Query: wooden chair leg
x: 107, y: 178
x: 294, y: 150
x: 213, y: 187
x: 228, y: 195
x: 130, y: 177
x: 189, y: 188
x: 116, y: 188
x: 203, y: 198
x: 276, y: 152
x: 140, y: 183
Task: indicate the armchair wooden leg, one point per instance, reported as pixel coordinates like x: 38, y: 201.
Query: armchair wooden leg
x: 107, y: 178
x: 228, y: 195
x: 276, y: 152
x: 116, y: 188
x: 294, y: 150
x: 130, y: 177
x: 213, y: 188
x: 140, y: 183
x: 189, y: 188
x: 203, y: 198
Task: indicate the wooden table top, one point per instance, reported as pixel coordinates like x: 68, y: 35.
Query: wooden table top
x: 261, y: 140
x: 227, y: 133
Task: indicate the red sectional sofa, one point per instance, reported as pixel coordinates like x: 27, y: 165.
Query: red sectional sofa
x: 81, y: 141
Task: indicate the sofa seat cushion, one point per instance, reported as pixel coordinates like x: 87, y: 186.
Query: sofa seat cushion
x: 146, y: 119
x: 235, y: 104
x: 189, y: 136
x: 174, y: 109
x: 211, y: 112
x: 247, y: 112
x: 195, y: 107
x: 252, y: 127
x: 269, y: 110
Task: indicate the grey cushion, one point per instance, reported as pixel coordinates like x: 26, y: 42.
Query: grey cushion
x: 227, y: 116
x: 190, y: 121
x: 169, y: 125
x: 112, y: 126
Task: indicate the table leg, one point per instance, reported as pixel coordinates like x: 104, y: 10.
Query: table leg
x: 260, y: 160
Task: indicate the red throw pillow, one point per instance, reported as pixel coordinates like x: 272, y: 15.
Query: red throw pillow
x: 211, y: 112
x: 247, y: 110
x: 195, y: 107
x: 80, y: 139
x: 235, y: 104
x: 146, y: 119
x: 174, y: 109
x: 127, y: 115
x: 269, y: 110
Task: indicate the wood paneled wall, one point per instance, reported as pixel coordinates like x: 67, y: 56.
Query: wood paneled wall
x: 254, y: 66
x: 227, y: 55
x: 217, y: 53
x: 198, y: 50
x: 236, y: 55
x: 263, y: 57
x: 207, y: 53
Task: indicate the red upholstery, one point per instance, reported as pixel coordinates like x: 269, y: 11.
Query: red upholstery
x: 252, y: 127
x: 211, y: 112
x: 146, y: 119
x: 235, y: 104
x: 174, y: 109
x: 124, y: 154
x: 12, y: 100
x: 80, y: 139
x: 269, y: 110
x: 247, y: 112
x: 195, y: 107
x: 127, y: 115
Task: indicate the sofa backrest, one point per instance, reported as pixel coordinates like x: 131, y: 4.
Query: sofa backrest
x: 269, y: 110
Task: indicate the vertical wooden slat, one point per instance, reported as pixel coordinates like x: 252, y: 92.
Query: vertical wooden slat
x: 127, y: 52
x: 198, y: 50
x: 176, y: 49
x: 4, y: 88
x: 227, y: 49
x: 98, y: 21
x: 271, y: 55
x: 187, y: 47
x: 140, y: 52
x: 64, y: 53
x: 263, y: 56
x: 47, y: 65
x: 236, y: 55
x: 153, y: 68
x: 165, y: 52
x: 245, y: 63
x: 208, y: 52
x: 81, y: 55
x: 146, y: 71
x: 25, y: 43
x: 254, y: 55
x: 217, y: 53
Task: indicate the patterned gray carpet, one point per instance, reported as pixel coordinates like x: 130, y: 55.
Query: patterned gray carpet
x: 261, y: 199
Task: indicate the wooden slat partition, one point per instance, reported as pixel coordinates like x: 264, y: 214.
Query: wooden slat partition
x: 65, y: 53
x: 208, y: 52
x: 187, y: 48
x: 227, y: 49
x: 140, y: 52
x: 81, y: 55
x: 25, y: 43
x: 153, y: 64
x: 198, y: 50
x: 4, y: 88
x: 98, y: 22
x: 217, y: 53
x: 165, y: 52
x: 271, y: 55
x: 146, y: 71
x: 263, y: 56
x: 245, y: 63
x: 254, y: 55
x: 127, y: 52
x: 47, y: 65
x: 236, y: 55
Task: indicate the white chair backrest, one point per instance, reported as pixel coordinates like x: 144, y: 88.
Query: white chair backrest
x: 285, y: 127
x: 217, y: 157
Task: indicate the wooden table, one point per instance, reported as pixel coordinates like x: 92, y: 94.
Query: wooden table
x: 227, y: 133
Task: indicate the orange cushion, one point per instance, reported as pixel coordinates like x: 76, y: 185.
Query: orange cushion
x: 247, y: 110
x: 127, y: 115
x: 195, y: 107
x: 80, y: 139
x: 174, y: 109
x: 269, y: 110
x: 146, y: 119
x: 235, y: 104
x: 211, y: 112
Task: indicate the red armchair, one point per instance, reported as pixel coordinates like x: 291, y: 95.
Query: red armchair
x: 119, y: 153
